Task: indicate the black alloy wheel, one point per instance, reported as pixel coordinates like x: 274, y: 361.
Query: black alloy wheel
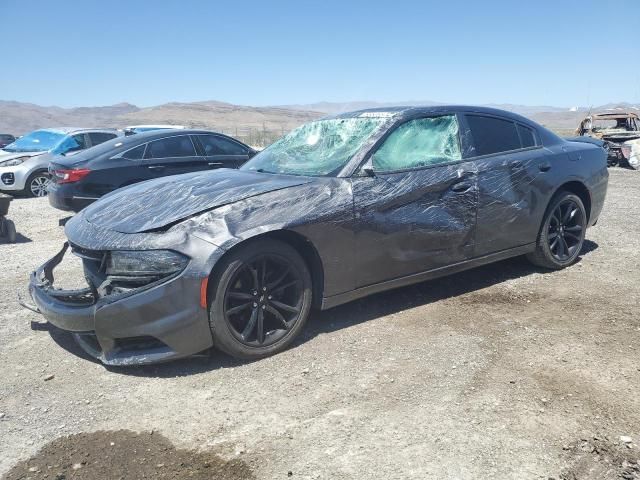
x: 562, y: 233
x: 263, y: 300
x: 565, y: 231
x: 260, y: 300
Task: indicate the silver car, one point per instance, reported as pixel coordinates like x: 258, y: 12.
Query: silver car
x: 24, y: 163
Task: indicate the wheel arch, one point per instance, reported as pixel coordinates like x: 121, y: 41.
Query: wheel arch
x: 577, y: 188
x: 298, y: 242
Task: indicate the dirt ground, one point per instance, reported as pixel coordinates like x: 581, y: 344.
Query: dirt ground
x: 502, y: 372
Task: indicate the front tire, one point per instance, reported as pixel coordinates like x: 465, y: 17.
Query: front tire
x: 562, y: 233
x: 36, y: 185
x: 260, y: 299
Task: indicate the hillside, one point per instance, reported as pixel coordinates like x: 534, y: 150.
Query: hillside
x: 255, y: 125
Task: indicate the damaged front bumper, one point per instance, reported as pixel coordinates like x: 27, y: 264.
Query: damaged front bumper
x: 157, y: 322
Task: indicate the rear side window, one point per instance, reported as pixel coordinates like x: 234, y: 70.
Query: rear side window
x: 179, y: 146
x: 100, y: 137
x: 215, y: 145
x: 493, y: 135
x: 135, y: 153
x: 419, y: 143
x: 527, y: 137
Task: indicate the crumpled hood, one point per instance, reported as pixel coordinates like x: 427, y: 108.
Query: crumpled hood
x: 156, y: 204
x: 9, y: 155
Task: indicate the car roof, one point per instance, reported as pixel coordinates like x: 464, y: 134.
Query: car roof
x: 153, y: 134
x: 411, y: 111
x: 69, y: 130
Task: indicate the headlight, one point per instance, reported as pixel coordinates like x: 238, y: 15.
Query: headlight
x: 14, y: 162
x: 156, y: 263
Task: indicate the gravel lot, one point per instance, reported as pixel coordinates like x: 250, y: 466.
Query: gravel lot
x: 502, y: 372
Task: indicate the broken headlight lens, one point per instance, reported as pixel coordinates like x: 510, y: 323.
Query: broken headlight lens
x: 156, y: 263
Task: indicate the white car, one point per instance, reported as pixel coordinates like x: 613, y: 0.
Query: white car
x: 24, y: 163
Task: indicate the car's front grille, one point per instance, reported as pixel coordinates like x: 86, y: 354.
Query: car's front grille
x: 8, y: 178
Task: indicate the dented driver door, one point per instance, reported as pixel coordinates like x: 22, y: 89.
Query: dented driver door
x: 415, y: 203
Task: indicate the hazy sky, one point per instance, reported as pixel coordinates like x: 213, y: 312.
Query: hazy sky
x: 534, y: 52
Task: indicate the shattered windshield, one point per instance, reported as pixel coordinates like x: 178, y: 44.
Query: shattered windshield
x: 317, y: 148
x: 38, y: 141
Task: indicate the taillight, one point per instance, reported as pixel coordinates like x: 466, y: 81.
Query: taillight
x: 69, y: 176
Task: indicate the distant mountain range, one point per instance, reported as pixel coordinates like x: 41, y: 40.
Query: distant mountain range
x: 20, y: 118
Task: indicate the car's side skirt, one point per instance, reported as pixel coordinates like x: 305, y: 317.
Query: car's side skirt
x: 335, y: 300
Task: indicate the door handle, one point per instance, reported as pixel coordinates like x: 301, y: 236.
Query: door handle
x: 516, y: 165
x: 461, y: 187
x: 215, y: 164
x: 544, y: 166
x: 156, y: 167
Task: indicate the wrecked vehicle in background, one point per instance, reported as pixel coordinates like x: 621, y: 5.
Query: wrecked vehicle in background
x: 336, y: 210
x: 621, y: 135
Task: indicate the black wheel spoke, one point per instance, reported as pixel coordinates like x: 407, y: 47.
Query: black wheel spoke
x: 561, y: 251
x: 239, y: 308
x: 575, y: 228
x: 251, y: 325
x: 571, y: 235
x: 240, y: 295
x: 264, y: 271
x: 254, y: 275
x: 569, y: 214
x: 279, y: 280
x: 285, y: 307
x: 279, y: 316
x: 285, y: 286
x: 260, y: 329
x: 553, y: 235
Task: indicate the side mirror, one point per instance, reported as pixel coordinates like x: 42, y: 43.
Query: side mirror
x: 368, y: 170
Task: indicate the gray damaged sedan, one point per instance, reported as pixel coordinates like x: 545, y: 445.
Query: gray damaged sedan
x: 338, y: 209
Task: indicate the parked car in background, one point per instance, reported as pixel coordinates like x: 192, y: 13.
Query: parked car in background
x: 80, y: 180
x: 133, y: 129
x: 24, y: 163
x: 620, y: 132
x: 337, y: 209
x: 6, y: 139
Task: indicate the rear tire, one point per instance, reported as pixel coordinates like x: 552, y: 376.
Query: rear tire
x: 562, y: 233
x: 260, y: 299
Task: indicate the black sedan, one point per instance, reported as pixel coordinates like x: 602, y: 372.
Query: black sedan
x: 80, y: 180
x: 6, y: 139
x: 338, y: 209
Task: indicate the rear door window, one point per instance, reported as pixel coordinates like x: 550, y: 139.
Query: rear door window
x: 136, y: 153
x: 419, y: 143
x: 215, y: 145
x: 527, y: 137
x: 493, y: 135
x: 100, y: 137
x: 170, y: 147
